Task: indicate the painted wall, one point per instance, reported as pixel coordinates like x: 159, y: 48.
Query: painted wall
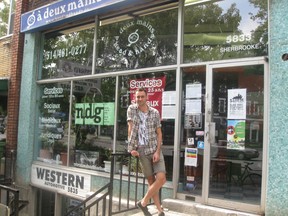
x: 27, y: 107
x: 277, y: 189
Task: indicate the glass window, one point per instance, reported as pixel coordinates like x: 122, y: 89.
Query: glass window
x: 7, y: 17
x: 237, y: 150
x: 89, y: 141
x: 92, y: 128
x: 192, y: 129
x: 92, y: 116
x: 224, y: 29
x: 161, y: 95
x: 67, y: 53
x: 53, y: 122
x: 146, y: 41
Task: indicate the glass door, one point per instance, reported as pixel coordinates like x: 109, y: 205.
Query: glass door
x: 234, y: 133
x: 192, y: 132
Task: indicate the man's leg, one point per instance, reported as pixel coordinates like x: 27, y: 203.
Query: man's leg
x: 155, y: 197
x: 153, y: 190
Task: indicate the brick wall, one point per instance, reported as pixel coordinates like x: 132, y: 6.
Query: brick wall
x: 38, y: 3
x: 14, y: 68
x: 17, y: 45
x: 5, y: 56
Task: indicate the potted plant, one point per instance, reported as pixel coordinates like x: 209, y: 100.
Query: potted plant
x: 59, y: 148
x: 125, y: 165
x: 134, y: 167
x: 130, y: 162
x: 107, y: 162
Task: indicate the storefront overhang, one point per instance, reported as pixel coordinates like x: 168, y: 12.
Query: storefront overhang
x: 3, y: 84
x: 57, y: 13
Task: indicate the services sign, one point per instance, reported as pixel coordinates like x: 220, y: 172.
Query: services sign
x: 155, y: 88
x: 76, y: 184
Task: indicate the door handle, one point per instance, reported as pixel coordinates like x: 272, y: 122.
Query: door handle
x: 210, y: 132
x: 207, y: 132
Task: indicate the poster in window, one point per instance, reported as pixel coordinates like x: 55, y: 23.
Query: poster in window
x: 169, y: 105
x: 193, y: 90
x: 94, y: 113
x: 237, y: 103
x: 236, y: 134
x: 154, y: 86
x: 193, y: 121
x: 193, y: 106
x: 191, y: 157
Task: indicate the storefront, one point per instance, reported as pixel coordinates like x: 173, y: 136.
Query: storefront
x: 204, y: 66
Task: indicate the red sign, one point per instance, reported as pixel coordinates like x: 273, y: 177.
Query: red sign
x: 154, y: 87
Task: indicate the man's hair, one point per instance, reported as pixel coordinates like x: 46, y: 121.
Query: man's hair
x: 141, y: 89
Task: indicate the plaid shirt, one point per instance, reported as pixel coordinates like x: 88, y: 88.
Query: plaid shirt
x: 152, y: 123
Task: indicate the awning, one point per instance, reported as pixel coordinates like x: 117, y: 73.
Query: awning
x: 59, y: 12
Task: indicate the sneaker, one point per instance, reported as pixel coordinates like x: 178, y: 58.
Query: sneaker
x: 144, y: 209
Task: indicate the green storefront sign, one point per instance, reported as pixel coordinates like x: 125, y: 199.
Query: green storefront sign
x: 94, y: 113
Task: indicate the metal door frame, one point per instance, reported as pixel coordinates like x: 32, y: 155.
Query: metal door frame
x: 208, y: 110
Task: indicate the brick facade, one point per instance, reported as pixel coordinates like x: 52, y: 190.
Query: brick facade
x: 38, y: 3
x: 17, y: 44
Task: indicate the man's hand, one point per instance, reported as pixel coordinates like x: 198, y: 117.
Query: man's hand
x: 156, y: 157
x: 134, y: 153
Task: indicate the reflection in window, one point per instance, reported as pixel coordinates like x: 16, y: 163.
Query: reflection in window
x: 68, y: 54
x: 224, y: 30
x: 147, y: 41
x: 161, y: 96
x: 93, y: 122
x: 192, y: 128
x: 7, y: 17
x: 237, y: 112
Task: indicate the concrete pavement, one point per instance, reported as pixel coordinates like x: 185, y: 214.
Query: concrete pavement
x: 173, y: 207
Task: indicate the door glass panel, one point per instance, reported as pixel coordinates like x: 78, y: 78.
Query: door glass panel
x: 192, y: 130
x: 236, y: 151
x: 161, y: 96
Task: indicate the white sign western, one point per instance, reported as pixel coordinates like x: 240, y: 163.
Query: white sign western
x: 61, y: 180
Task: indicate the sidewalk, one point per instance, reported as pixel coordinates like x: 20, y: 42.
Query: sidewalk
x: 192, y: 208
x: 173, y: 207
x: 154, y: 212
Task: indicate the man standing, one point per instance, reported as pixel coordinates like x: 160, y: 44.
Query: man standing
x: 145, y: 141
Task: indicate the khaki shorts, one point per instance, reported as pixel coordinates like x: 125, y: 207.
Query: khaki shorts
x: 150, y: 168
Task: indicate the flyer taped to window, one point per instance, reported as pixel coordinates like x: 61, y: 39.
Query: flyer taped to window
x: 191, y: 157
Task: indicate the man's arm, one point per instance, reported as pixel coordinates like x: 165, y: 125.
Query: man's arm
x: 156, y: 155
x: 130, y: 124
x: 159, y: 139
x: 130, y: 148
